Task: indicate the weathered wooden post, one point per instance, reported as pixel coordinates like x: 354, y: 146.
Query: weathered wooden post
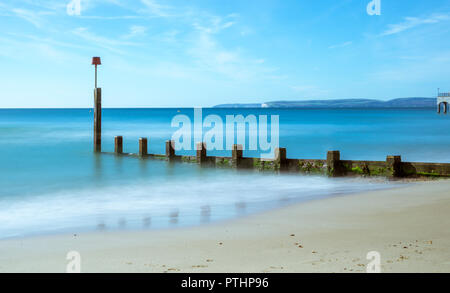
x: 143, y: 147
x: 236, y: 155
x: 118, y: 145
x: 97, y: 110
x: 97, y: 120
x: 201, y: 153
x: 170, y: 150
x: 394, y: 166
x: 334, y: 167
x: 280, y: 158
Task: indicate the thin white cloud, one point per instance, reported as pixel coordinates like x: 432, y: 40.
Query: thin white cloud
x: 195, y: 33
x: 412, y: 22
x: 136, y: 31
x: 30, y: 39
x: 410, y: 71
x: 342, y: 45
x: 210, y: 56
x: 33, y: 17
x: 48, y: 4
x: 101, y: 41
x: 19, y: 47
x: 118, y: 17
x: 213, y: 24
x: 156, y: 9
x: 246, y: 31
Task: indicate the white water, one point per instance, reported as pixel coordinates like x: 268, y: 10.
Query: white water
x: 167, y: 203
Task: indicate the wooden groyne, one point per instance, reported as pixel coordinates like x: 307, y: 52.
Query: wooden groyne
x: 333, y: 166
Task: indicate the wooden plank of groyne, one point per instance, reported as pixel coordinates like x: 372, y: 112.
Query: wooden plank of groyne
x: 201, y: 153
x: 170, y: 150
x: 426, y: 169
x: 365, y: 168
x: 143, y: 146
x: 308, y: 166
x: 236, y: 156
x: 281, y: 159
x: 394, y: 166
x: 334, y: 166
x: 118, y: 145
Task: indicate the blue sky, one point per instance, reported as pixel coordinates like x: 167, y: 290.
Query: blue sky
x: 159, y: 53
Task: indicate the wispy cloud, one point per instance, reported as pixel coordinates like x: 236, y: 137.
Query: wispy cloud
x: 26, y: 47
x: 245, y: 31
x: 410, y: 71
x: 156, y: 9
x: 52, y: 5
x: 342, y: 45
x: 136, y: 31
x: 47, y: 40
x: 33, y: 17
x: 101, y: 41
x: 412, y: 22
x: 211, y: 55
x: 213, y: 24
x: 168, y: 36
x: 192, y: 42
x: 117, y: 17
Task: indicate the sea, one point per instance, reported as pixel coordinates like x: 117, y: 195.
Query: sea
x: 52, y: 182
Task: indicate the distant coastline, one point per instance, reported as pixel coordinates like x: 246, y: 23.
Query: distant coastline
x: 415, y: 102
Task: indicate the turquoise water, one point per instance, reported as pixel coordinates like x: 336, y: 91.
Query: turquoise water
x: 51, y: 182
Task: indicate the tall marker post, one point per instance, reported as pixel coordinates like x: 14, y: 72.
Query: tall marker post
x: 97, y: 110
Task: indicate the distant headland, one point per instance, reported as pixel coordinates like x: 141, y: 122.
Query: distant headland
x: 342, y: 103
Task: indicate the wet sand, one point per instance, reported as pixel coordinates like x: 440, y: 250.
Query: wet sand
x: 408, y: 226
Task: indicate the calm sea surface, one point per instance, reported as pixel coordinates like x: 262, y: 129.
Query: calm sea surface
x: 51, y: 182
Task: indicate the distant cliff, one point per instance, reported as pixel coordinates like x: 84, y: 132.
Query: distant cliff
x: 342, y: 103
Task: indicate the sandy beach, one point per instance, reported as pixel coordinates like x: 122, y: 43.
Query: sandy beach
x: 408, y: 226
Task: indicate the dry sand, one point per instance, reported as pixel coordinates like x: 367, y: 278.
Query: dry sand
x: 409, y: 226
